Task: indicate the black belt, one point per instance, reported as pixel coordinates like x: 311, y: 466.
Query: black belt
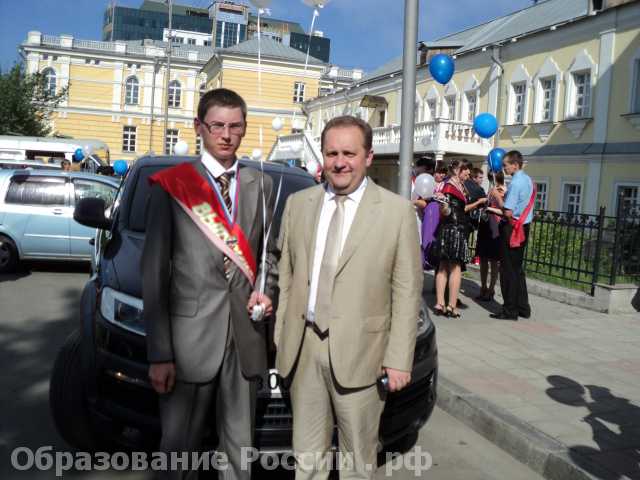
x: 316, y: 330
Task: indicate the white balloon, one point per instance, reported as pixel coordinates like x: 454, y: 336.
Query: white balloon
x: 261, y: 3
x: 87, y: 150
x: 277, y: 124
x: 316, y: 3
x: 312, y: 167
x: 256, y: 154
x: 181, y: 148
x: 424, y: 186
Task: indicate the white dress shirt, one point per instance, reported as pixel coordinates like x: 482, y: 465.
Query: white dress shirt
x: 216, y: 169
x: 328, y: 207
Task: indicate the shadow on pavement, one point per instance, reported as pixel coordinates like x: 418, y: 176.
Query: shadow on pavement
x: 615, y: 423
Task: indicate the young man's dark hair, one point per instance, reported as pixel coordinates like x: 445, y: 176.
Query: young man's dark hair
x: 497, y: 177
x: 442, y: 168
x: 221, y: 97
x: 514, y: 156
x: 349, y: 121
x: 426, y: 164
x: 475, y: 171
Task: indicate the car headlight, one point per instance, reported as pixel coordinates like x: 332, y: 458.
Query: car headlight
x: 122, y: 310
x: 424, y: 320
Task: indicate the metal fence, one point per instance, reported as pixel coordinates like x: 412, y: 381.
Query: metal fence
x: 581, y: 250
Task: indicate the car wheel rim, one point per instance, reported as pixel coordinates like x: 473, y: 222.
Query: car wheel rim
x: 4, y: 254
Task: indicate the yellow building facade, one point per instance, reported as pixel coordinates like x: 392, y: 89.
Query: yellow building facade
x: 562, y: 78
x: 117, y: 90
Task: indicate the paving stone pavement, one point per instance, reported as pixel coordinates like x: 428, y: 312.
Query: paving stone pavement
x: 571, y: 373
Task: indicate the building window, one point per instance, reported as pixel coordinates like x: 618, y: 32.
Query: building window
x: 541, y: 196
x: 519, y: 100
x: 432, y: 107
x: 207, y: 43
x: 450, y: 100
x: 582, y: 85
x: 191, y: 41
x: 175, y: 92
x: 629, y: 195
x: 50, y: 81
x: 170, y: 140
x: 472, y: 102
x: 636, y: 88
x: 572, y: 198
x: 129, y: 139
x: 298, y: 92
x: 132, y: 89
x: 382, y: 117
x: 548, y: 86
x: 198, y: 144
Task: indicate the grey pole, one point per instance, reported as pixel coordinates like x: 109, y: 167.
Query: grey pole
x: 168, y: 72
x: 408, y: 96
x: 156, y: 67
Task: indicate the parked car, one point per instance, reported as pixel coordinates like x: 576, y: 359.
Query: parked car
x: 99, y: 390
x: 36, y: 214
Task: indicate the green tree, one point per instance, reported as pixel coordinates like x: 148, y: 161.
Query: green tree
x: 26, y: 103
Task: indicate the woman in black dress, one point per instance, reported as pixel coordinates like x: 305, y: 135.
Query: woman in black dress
x: 452, y: 237
x: 488, y: 245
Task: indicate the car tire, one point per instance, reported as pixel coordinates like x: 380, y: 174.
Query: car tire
x: 8, y: 255
x: 67, y: 397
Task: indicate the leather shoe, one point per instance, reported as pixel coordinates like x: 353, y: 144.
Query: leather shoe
x: 528, y: 315
x: 503, y: 316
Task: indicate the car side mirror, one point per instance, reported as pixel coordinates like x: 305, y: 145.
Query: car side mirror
x: 90, y: 213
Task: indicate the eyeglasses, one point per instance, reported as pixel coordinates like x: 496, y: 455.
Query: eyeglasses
x: 216, y: 128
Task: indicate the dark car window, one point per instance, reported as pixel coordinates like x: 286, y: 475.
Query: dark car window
x: 141, y: 193
x: 89, y: 188
x: 290, y: 184
x: 37, y: 191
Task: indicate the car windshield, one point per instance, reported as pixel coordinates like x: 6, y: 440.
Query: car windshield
x: 290, y: 184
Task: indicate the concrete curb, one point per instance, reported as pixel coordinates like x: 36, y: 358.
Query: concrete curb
x: 543, y: 454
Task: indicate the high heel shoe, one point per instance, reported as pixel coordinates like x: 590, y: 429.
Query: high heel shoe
x: 439, y: 310
x: 452, y: 312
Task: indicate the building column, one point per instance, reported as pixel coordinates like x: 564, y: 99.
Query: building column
x: 439, y: 157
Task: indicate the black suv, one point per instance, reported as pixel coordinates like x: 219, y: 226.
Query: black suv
x: 100, y: 394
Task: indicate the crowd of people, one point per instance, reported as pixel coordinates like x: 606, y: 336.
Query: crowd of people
x: 460, y: 205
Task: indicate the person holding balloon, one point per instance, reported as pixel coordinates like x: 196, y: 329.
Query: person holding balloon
x: 452, y: 237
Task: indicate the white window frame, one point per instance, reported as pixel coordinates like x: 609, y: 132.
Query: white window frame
x: 520, y: 76
x: 471, y: 90
x: 175, y: 94
x: 298, y: 92
x: 198, y: 145
x: 132, y: 90
x: 451, y: 115
x: 450, y: 91
x: 634, y: 97
x: 432, y: 97
x: 582, y: 63
x: 624, y: 184
x: 548, y: 71
x: 565, y: 201
x: 582, y: 101
x: 170, y: 140
x: 518, y: 119
x: 51, y: 77
x: 129, y: 138
x: 545, y: 203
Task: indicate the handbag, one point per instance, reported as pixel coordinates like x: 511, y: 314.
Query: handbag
x: 517, y: 232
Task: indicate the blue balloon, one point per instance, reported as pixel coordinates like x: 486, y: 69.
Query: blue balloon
x: 120, y: 167
x: 485, y: 125
x: 78, y: 155
x: 441, y: 67
x: 494, y: 159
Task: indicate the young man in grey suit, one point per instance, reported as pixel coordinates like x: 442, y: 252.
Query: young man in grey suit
x: 204, y: 238
x: 350, y: 292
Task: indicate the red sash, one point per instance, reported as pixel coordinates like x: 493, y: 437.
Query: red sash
x: 517, y: 231
x: 196, y: 197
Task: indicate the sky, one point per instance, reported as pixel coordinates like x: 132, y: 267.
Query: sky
x: 364, y: 33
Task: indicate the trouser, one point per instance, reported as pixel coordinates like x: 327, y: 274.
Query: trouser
x: 513, y: 283
x: 315, y: 398
x: 184, y: 418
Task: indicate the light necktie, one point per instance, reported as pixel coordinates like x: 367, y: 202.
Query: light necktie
x: 329, y: 266
x: 224, y: 182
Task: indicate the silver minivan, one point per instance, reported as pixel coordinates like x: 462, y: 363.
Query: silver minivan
x: 36, y: 214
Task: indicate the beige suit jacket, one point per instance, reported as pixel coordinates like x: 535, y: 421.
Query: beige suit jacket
x: 377, y: 290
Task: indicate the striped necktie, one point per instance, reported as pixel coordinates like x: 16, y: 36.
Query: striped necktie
x: 224, y: 182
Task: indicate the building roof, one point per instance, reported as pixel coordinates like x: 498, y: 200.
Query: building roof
x: 178, y: 50
x: 542, y: 15
x: 293, y: 26
x: 269, y: 48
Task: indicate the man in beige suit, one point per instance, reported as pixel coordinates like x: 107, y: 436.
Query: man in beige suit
x: 350, y: 287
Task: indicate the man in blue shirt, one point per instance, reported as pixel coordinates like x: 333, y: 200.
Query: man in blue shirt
x: 512, y: 278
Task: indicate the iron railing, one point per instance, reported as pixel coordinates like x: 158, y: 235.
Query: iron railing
x: 582, y: 250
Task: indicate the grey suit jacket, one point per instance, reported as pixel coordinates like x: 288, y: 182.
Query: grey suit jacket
x: 189, y: 305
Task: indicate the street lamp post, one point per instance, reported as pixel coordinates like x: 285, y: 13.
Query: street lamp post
x: 168, y: 72
x: 408, y: 96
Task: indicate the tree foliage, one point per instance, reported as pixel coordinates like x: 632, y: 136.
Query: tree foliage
x: 26, y: 103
